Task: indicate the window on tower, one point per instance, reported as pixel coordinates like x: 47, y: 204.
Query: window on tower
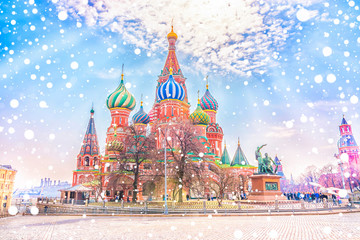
x: 87, y: 161
x: 147, y: 166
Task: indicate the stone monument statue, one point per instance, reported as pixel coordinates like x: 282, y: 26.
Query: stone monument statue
x: 265, y: 165
x: 265, y: 183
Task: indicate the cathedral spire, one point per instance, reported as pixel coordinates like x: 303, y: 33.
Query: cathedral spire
x: 239, y: 157
x: 225, y: 159
x: 90, y: 143
x: 348, y: 145
x: 171, y: 60
x: 122, y: 73
x: 344, y: 122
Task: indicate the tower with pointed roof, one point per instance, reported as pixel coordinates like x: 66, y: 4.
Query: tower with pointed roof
x: 214, y: 132
x: 88, y: 159
x: 171, y: 100
x: 239, y: 158
x: 278, y: 164
x: 225, y: 159
x: 348, y: 145
x: 120, y: 103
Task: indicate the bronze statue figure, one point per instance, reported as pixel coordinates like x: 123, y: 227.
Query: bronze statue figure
x: 265, y: 165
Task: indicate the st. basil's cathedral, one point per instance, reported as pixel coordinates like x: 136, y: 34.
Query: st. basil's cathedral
x: 171, y: 105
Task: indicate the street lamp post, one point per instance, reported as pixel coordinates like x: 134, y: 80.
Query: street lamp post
x: 166, y: 207
x: 342, y: 172
x: 344, y: 157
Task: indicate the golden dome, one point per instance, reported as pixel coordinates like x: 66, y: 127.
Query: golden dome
x: 172, y: 34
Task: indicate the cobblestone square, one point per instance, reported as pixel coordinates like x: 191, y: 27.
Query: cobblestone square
x: 308, y: 227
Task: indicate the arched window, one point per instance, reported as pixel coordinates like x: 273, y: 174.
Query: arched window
x: 81, y: 179
x: 87, y: 161
x: 79, y: 161
x: 95, y: 161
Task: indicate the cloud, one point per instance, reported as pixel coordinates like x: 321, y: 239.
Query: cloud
x: 327, y: 105
x: 280, y: 132
x: 113, y: 73
x: 226, y: 36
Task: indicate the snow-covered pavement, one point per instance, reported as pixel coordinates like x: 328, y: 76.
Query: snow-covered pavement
x: 337, y: 226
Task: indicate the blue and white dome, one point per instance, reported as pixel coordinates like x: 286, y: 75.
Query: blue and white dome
x: 141, y: 117
x: 171, y: 90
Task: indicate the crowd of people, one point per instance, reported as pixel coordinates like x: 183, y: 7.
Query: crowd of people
x: 311, y: 197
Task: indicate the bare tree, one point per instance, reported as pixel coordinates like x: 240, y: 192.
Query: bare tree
x: 97, y: 187
x: 184, y: 149
x: 140, y: 147
x: 311, y: 174
x: 329, y: 177
x: 220, y: 183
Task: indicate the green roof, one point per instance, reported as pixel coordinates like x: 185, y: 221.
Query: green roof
x: 225, y: 157
x: 239, y: 157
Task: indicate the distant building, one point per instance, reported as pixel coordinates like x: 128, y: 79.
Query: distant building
x: 48, y: 189
x: 348, y: 145
x: 280, y: 172
x: 7, y: 177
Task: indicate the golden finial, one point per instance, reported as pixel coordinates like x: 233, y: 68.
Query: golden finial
x: 224, y: 143
x: 198, y: 96
x: 171, y: 73
x: 238, y: 141
x: 172, y: 34
x: 122, y: 73
x: 207, y: 82
x: 141, y: 103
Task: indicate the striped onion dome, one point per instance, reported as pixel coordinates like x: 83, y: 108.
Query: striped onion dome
x: 141, y: 116
x: 171, y: 89
x: 121, y: 97
x: 199, y: 116
x: 115, y: 146
x: 208, y: 102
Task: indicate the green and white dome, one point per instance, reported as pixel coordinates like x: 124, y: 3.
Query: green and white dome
x: 121, y: 97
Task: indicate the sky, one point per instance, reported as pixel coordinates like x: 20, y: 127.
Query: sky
x: 283, y: 73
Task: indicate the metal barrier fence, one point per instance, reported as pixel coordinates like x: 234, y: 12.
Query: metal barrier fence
x: 196, y: 207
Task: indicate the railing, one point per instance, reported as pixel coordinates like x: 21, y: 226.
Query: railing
x: 195, y: 207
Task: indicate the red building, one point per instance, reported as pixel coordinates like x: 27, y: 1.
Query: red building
x: 348, y: 146
x: 88, y: 159
x: 170, y: 105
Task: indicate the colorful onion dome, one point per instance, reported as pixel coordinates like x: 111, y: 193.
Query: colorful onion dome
x: 208, y: 102
x: 115, y: 146
x: 121, y: 97
x: 171, y: 89
x: 199, y: 116
x: 141, y: 116
x: 172, y: 34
